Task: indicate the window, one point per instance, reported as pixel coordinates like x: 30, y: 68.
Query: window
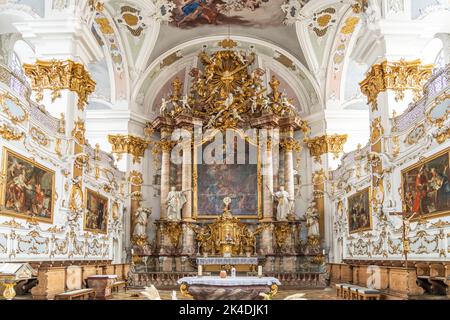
x: 439, y: 63
x: 16, y: 68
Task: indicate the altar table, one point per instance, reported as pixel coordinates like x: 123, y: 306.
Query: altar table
x: 102, y: 285
x: 227, y: 262
x: 230, y: 288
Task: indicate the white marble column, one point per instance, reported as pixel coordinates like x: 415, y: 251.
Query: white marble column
x: 187, y: 175
x: 288, y: 147
x: 166, y: 147
x: 267, y: 172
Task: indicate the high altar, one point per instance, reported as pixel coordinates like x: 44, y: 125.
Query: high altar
x: 231, y: 117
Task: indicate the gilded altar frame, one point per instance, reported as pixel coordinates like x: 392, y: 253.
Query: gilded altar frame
x: 6, y: 153
x: 422, y: 162
x: 208, y: 138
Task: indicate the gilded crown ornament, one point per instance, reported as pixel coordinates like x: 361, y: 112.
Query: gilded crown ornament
x: 226, y: 91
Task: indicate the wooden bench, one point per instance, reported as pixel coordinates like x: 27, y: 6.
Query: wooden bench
x: 345, y: 291
x: 338, y: 287
x: 80, y: 294
x: 368, y: 294
x: 117, y: 285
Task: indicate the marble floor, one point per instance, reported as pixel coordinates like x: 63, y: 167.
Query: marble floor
x: 313, y: 294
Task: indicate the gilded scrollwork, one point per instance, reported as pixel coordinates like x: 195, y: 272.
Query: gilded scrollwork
x: 397, y: 76
x: 57, y: 75
x: 8, y: 132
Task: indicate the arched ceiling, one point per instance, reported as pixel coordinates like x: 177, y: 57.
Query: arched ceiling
x: 307, y: 44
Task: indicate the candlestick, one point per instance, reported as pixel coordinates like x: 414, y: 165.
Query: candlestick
x: 200, y: 270
x: 260, y: 271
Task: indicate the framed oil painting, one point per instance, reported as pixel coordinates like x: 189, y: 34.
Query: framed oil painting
x: 29, y: 188
x: 426, y: 187
x: 359, y: 213
x: 96, y: 216
x: 237, y: 180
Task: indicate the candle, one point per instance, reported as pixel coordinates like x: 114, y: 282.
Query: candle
x: 200, y: 270
x: 259, y: 271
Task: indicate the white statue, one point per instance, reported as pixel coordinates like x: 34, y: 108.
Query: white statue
x: 163, y: 107
x: 285, y: 102
x: 175, y: 201
x: 229, y: 100
x: 285, y: 203
x: 312, y: 220
x: 141, y: 220
x: 185, y: 103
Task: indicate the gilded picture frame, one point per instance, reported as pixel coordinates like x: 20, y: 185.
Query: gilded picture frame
x: 28, y: 186
x: 93, y: 221
x: 423, y: 195
x: 253, y: 142
x: 353, y: 203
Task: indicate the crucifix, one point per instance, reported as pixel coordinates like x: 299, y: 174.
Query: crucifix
x: 406, y: 218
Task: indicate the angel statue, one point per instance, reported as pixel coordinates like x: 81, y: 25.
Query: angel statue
x: 163, y: 107
x: 175, y: 202
x: 285, y: 203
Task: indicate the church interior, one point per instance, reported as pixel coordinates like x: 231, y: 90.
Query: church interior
x: 225, y: 149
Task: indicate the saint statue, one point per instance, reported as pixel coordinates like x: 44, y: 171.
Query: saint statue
x: 285, y: 203
x: 141, y: 220
x: 175, y: 201
x: 312, y: 220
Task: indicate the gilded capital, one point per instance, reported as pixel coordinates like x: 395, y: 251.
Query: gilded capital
x: 326, y: 144
x: 290, y: 144
x: 129, y: 144
x: 397, y: 76
x: 57, y: 75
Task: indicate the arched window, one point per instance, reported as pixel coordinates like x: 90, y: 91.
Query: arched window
x: 16, y: 68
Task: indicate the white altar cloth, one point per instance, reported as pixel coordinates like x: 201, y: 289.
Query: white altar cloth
x: 230, y: 281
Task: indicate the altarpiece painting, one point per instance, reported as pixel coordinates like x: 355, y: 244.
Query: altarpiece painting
x: 426, y: 187
x: 29, y: 188
x: 359, y: 213
x: 237, y: 180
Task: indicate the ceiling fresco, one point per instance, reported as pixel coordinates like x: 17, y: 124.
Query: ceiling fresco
x: 255, y: 13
